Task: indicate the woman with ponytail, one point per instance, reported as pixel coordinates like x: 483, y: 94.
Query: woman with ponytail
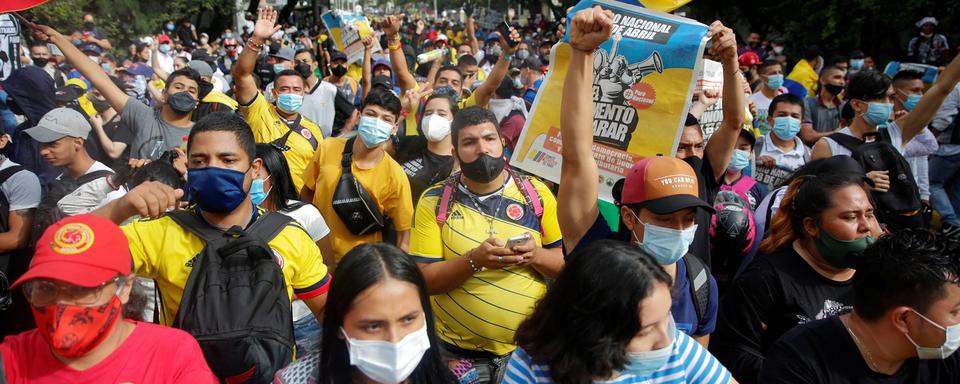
x: 804, y: 272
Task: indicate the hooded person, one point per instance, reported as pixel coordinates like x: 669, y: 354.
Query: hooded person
x: 30, y: 93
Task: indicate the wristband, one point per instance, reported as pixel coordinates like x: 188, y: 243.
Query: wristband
x: 404, y: 114
x: 508, y: 57
x: 253, y: 47
x: 473, y: 266
x: 393, y: 47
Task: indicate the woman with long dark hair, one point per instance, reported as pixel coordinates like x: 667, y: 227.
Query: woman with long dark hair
x: 379, y: 325
x: 607, y: 319
x: 272, y: 189
x: 804, y: 269
x: 428, y: 157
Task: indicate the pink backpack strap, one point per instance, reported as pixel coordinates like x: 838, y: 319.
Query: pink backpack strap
x: 529, y: 193
x: 446, y: 199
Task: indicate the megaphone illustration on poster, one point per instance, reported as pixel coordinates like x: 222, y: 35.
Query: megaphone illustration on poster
x: 651, y: 64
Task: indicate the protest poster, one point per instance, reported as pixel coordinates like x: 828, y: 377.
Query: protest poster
x: 711, y: 79
x: 491, y: 18
x: 347, y: 30
x: 644, y: 77
x: 929, y: 72
x: 771, y: 177
x: 9, y: 45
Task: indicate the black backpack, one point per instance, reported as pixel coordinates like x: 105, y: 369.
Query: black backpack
x: 900, y: 206
x: 235, y: 301
x: 697, y: 276
x: 48, y: 212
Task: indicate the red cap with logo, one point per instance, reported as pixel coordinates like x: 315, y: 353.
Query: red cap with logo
x: 663, y: 185
x: 83, y: 250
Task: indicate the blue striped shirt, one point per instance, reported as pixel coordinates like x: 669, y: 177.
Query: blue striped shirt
x: 689, y: 363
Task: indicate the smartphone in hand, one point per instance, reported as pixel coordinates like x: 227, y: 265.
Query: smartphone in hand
x: 518, y: 240
x: 504, y: 30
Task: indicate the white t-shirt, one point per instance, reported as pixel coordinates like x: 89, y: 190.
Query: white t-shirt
x: 91, y: 195
x: 310, y: 218
x: 896, y: 138
x: 791, y: 160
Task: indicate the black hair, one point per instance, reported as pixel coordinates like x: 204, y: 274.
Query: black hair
x: 583, y: 324
x: 838, y: 58
x: 691, y: 120
x: 906, y: 75
x: 454, y: 108
x: 305, y: 50
x: 161, y: 170
x: 446, y: 68
x: 187, y: 72
x: 361, y: 268
x: 283, y: 188
x: 505, y: 89
x: 828, y: 68
x: 40, y: 43
x: 908, y: 267
x: 467, y: 60
x: 767, y: 64
x: 786, y: 98
x: 289, y: 72
x: 385, y: 99
x: 223, y: 121
x: 847, y: 113
x: 811, y: 52
x: 469, y: 117
x: 868, y: 85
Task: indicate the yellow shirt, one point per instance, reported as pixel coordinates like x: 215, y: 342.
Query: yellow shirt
x: 804, y: 74
x: 268, y: 126
x: 386, y: 183
x: 222, y: 98
x: 484, y: 313
x: 164, y: 251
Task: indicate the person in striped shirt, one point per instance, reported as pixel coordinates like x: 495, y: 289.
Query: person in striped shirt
x: 607, y: 320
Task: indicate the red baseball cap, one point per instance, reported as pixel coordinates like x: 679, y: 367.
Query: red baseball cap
x: 749, y: 58
x: 163, y: 39
x: 663, y: 185
x: 83, y: 250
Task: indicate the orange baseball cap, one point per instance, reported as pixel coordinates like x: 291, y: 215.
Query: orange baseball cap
x: 83, y: 250
x: 663, y: 185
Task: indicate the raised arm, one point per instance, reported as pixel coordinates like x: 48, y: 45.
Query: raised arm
x: 391, y: 28
x: 90, y: 70
x: 499, y: 72
x: 242, y: 71
x: 721, y: 144
x: 912, y: 123
x: 579, y: 188
x: 472, y: 36
x: 155, y: 62
x: 367, y: 78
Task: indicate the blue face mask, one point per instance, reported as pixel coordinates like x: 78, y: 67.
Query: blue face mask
x: 911, y: 102
x: 257, y: 194
x: 289, y: 102
x: 171, y: 27
x: 739, y: 161
x: 666, y: 245
x: 786, y: 127
x: 106, y: 66
x: 644, y: 364
x: 164, y: 48
x: 856, y: 64
x: 774, y: 81
x: 374, y: 131
x: 878, y: 113
x: 279, y: 67
x: 214, y: 189
x: 77, y: 42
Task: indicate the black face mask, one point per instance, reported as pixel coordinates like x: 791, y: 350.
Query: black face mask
x: 753, y: 44
x: 834, y: 89
x: 484, y: 169
x: 182, y: 102
x: 304, y: 70
x: 40, y: 61
x: 339, y: 70
x: 88, y: 25
x: 100, y: 105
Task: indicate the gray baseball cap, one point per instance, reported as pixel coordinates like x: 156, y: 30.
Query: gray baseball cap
x: 285, y: 53
x: 59, y: 123
x: 201, y: 67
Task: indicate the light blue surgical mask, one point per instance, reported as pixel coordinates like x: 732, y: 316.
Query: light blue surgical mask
x: 279, y: 67
x: 644, y: 364
x: 878, y: 113
x: 911, y: 102
x: 666, y: 245
x: 106, y: 67
x: 374, y: 131
x: 786, y: 127
x: 856, y: 64
x: 774, y: 81
x: 257, y: 194
x: 951, y: 341
x: 739, y: 161
x: 164, y: 48
x: 289, y: 102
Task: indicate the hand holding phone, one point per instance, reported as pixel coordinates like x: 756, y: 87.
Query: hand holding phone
x: 504, y: 29
x: 518, y: 240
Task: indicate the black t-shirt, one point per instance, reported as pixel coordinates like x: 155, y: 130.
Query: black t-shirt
x: 774, y: 294
x: 823, y: 352
x: 709, y: 186
x: 423, y: 168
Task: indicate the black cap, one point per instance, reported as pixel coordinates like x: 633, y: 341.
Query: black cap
x: 68, y: 93
x: 382, y: 81
x: 532, y: 62
x: 337, y: 55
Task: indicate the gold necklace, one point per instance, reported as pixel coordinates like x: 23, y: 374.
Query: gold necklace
x: 871, y: 363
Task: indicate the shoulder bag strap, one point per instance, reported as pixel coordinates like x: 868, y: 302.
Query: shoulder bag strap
x: 193, y: 223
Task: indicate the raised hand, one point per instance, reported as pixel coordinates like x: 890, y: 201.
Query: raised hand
x: 391, y: 25
x: 505, y: 45
x: 266, y: 24
x: 43, y: 32
x: 590, y: 28
x: 724, y: 42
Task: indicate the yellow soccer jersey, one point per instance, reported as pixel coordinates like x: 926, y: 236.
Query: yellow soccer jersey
x: 268, y: 126
x: 486, y: 310
x: 386, y: 183
x: 164, y: 251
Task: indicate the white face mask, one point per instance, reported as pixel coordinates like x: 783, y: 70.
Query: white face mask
x: 386, y: 362
x: 951, y: 341
x: 436, y: 127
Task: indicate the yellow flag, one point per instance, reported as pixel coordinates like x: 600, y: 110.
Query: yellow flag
x: 662, y: 5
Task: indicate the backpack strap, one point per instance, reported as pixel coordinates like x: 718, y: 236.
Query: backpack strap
x: 6, y: 173
x: 446, y: 198
x: 529, y: 192
x: 269, y: 226
x: 3, y: 371
x: 93, y: 176
x: 347, y: 160
x: 699, y: 286
x: 847, y: 141
x: 192, y: 222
